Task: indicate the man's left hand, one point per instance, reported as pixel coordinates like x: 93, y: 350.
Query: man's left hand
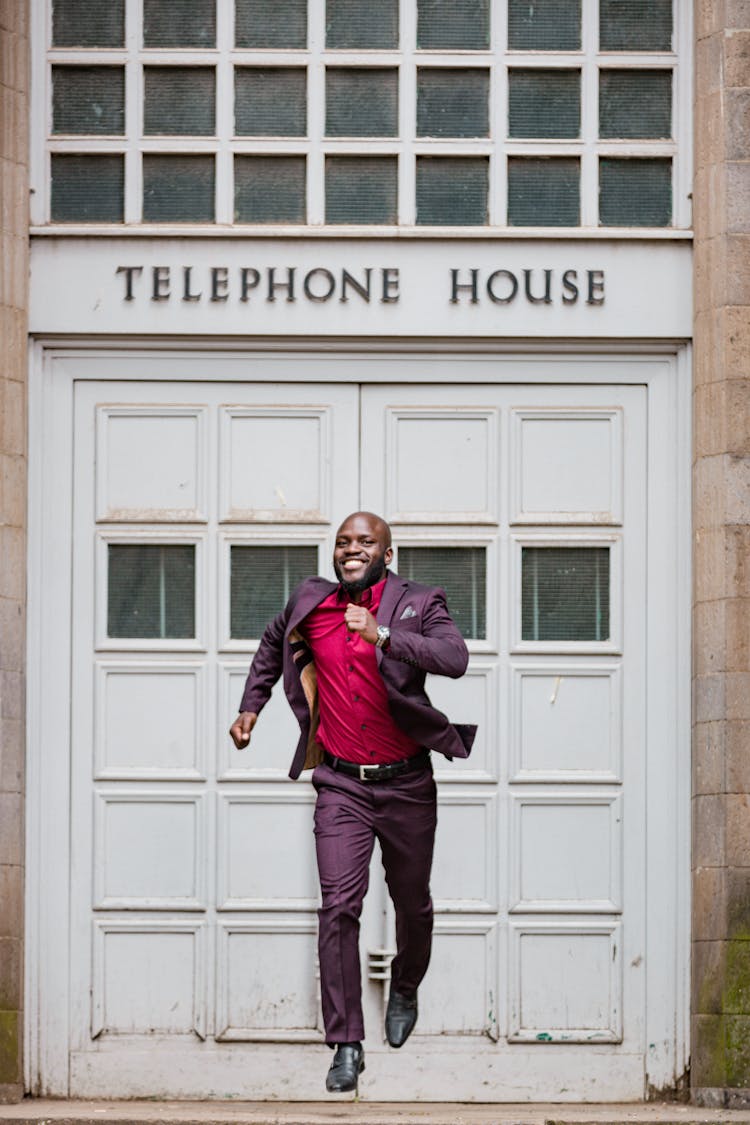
x: 360, y: 620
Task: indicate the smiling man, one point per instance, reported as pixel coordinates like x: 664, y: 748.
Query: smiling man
x: 354, y: 656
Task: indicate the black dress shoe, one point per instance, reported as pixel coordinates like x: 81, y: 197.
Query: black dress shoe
x: 400, y: 1017
x: 348, y: 1063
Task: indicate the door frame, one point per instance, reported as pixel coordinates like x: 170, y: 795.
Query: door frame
x: 55, y: 365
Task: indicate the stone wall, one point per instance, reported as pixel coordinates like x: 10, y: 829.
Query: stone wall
x: 14, y: 268
x: 720, y: 1067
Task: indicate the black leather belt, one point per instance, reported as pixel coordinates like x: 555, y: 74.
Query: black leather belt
x: 420, y: 761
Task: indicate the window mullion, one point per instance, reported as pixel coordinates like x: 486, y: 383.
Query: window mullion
x: 224, y: 205
x: 316, y: 114
x: 133, y: 111
x: 589, y: 114
x: 498, y: 200
x: 407, y: 121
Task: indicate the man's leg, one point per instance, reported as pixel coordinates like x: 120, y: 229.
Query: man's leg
x: 405, y: 825
x: 344, y: 839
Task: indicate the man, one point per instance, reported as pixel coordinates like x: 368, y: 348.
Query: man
x: 354, y: 658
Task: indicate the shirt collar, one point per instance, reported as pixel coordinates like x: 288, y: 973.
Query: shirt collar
x: 367, y: 595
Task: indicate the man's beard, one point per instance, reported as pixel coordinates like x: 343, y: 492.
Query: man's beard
x: 373, y: 574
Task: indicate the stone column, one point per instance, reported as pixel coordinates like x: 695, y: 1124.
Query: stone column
x: 720, y: 1064
x: 14, y: 269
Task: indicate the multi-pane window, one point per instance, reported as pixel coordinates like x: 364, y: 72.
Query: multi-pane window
x: 435, y: 113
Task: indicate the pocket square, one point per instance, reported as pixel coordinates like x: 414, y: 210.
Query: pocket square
x: 408, y: 612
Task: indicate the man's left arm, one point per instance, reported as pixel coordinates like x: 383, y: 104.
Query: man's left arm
x: 436, y: 646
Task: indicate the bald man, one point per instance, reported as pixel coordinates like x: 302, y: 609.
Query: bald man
x: 354, y: 656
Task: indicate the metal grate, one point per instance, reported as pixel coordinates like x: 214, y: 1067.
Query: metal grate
x: 544, y: 25
x: 262, y: 578
x: 453, y: 25
x: 88, y: 100
x: 453, y: 103
x: 87, y: 189
x: 461, y: 572
x: 179, y: 23
x: 635, y: 104
x: 179, y: 101
x: 635, y: 193
x: 544, y: 192
x: 281, y: 25
x: 88, y: 25
x: 178, y: 189
x: 361, y: 189
x: 565, y: 593
x: 544, y: 103
x: 362, y: 24
x: 452, y: 190
x: 270, y: 101
x: 151, y: 591
x: 635, y: 25
x: 269, y: 189
x: 361, y: 102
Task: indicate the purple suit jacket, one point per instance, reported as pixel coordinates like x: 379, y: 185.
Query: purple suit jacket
x: 424, y: 638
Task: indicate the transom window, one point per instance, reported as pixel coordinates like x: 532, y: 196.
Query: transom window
x: 416, y: 113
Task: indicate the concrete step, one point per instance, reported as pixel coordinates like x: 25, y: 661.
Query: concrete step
x: 340, y: 1111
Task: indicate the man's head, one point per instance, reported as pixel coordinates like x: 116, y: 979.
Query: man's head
x: 362, y: 551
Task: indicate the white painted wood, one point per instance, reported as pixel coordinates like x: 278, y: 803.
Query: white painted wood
x: 477, y: 1012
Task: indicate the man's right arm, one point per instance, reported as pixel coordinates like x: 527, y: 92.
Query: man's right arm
x: 267, y: 666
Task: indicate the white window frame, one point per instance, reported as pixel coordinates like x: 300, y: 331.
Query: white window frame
x: 406, y: 147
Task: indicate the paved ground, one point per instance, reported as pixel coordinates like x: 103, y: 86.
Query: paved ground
x: 340, y: 1112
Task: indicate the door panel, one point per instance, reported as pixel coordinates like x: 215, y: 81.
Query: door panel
x: 197, y: 508
x: 526, y: 505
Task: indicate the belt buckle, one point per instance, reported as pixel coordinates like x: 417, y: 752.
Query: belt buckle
x: 363, y: 772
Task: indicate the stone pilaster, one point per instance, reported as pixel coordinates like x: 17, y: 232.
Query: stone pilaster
x: 720, y: 1063
x: 14, y: 268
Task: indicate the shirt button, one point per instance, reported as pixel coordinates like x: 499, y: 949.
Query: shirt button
x: 364, y: 726
x: 351, y: 667
x: 356, y: 698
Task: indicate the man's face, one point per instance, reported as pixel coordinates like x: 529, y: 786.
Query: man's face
x: 362, y: 551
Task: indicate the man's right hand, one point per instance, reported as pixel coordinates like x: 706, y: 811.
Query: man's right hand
x: 241, y: 728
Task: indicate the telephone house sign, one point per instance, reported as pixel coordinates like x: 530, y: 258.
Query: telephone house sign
x: 231, y: 286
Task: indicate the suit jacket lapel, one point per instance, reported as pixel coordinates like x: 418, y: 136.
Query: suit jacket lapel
x: 392, y: 594
x: 308, y: 600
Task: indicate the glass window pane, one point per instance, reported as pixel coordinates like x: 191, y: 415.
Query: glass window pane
x: 178, y: 189
x: 362, y: 24
x: 453, y: 103
x: 269, y: 189
x: 635, y: 25
x: 88, y: 25
x: 361, y: 103
x: 544, y: 25
x: 544, y: 103
x: 362, y: 189
x: 179, y: 101
x: 635, y: 103
x: 282, y: 24
x: 88, y: 100
x: 262, y: 578
x: 151, y: 591
x: 87, y: 189
x: 462, y: 573
x: 179, y: 23
x: 270, y: 101
x: 452, y: 190
x: 635, y: 193
x: 565, y: 593
x: 460, y: 25
x: 544, y: 192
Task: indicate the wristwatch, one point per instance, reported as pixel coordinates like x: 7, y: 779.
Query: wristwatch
x: 384, y: 637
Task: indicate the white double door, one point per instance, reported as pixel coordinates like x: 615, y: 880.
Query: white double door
x: 197, y: 506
